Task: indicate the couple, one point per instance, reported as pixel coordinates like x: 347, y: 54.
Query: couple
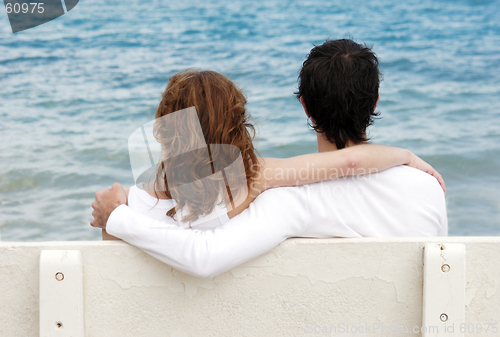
x: 338, y: 89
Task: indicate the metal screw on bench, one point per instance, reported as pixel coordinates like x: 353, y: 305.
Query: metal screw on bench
x: 443, y: 317
x: 445, y: 268
x: 59, y: 276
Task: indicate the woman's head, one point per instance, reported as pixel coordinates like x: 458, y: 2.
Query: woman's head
x: 220, y: 106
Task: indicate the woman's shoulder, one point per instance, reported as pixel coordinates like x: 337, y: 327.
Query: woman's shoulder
x: 140, y: 195
x: 140, y: 200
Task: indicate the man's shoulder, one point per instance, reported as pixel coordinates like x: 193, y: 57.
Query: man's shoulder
x: 401, y: 185
x: 399, y: 177
x: 409, y: 177
x: 401, y: 201
x: 398, y: 183
x: 404, y: 170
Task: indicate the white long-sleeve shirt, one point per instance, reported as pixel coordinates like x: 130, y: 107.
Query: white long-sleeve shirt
x: 401, y: 201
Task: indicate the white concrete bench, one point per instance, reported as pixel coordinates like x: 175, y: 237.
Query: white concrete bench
x: 304, y: 287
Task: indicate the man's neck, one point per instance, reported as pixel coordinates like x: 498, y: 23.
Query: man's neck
x: 324, y: 145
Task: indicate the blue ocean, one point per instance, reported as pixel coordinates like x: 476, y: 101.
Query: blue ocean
x: 74, y: 89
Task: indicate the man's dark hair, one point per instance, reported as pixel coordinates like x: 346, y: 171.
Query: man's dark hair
x: 339, y: 83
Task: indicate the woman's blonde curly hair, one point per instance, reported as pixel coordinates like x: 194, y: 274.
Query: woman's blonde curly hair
x: 220, y: 105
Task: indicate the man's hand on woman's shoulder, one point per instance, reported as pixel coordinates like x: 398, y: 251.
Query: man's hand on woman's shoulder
x: 105, y: 202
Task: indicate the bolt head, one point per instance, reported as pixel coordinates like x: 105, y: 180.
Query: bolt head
x: 445, y: 268
x: 59, y: 276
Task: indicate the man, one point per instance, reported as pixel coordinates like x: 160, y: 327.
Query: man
x: 338, y: 88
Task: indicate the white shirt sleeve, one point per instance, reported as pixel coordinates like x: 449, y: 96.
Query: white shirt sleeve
x: 274, y: 216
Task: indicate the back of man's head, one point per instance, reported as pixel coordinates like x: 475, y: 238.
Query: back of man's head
x: 339, y: 84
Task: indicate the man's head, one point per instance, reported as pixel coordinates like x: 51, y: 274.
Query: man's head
x: 338, y: 87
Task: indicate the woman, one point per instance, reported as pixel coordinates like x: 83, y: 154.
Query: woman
x: 189, y: 183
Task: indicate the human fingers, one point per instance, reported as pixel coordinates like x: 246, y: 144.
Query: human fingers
x: 441, y: 181
x: 118, y: 190
x: 117, y: 187
x: 439, y: 178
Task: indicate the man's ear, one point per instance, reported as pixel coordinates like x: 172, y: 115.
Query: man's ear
x: 304, y: 105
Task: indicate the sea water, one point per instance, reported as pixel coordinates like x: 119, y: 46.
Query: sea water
x: 74, y: 89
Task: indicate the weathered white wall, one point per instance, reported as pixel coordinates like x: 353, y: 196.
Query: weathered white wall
x: 298, y: 289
